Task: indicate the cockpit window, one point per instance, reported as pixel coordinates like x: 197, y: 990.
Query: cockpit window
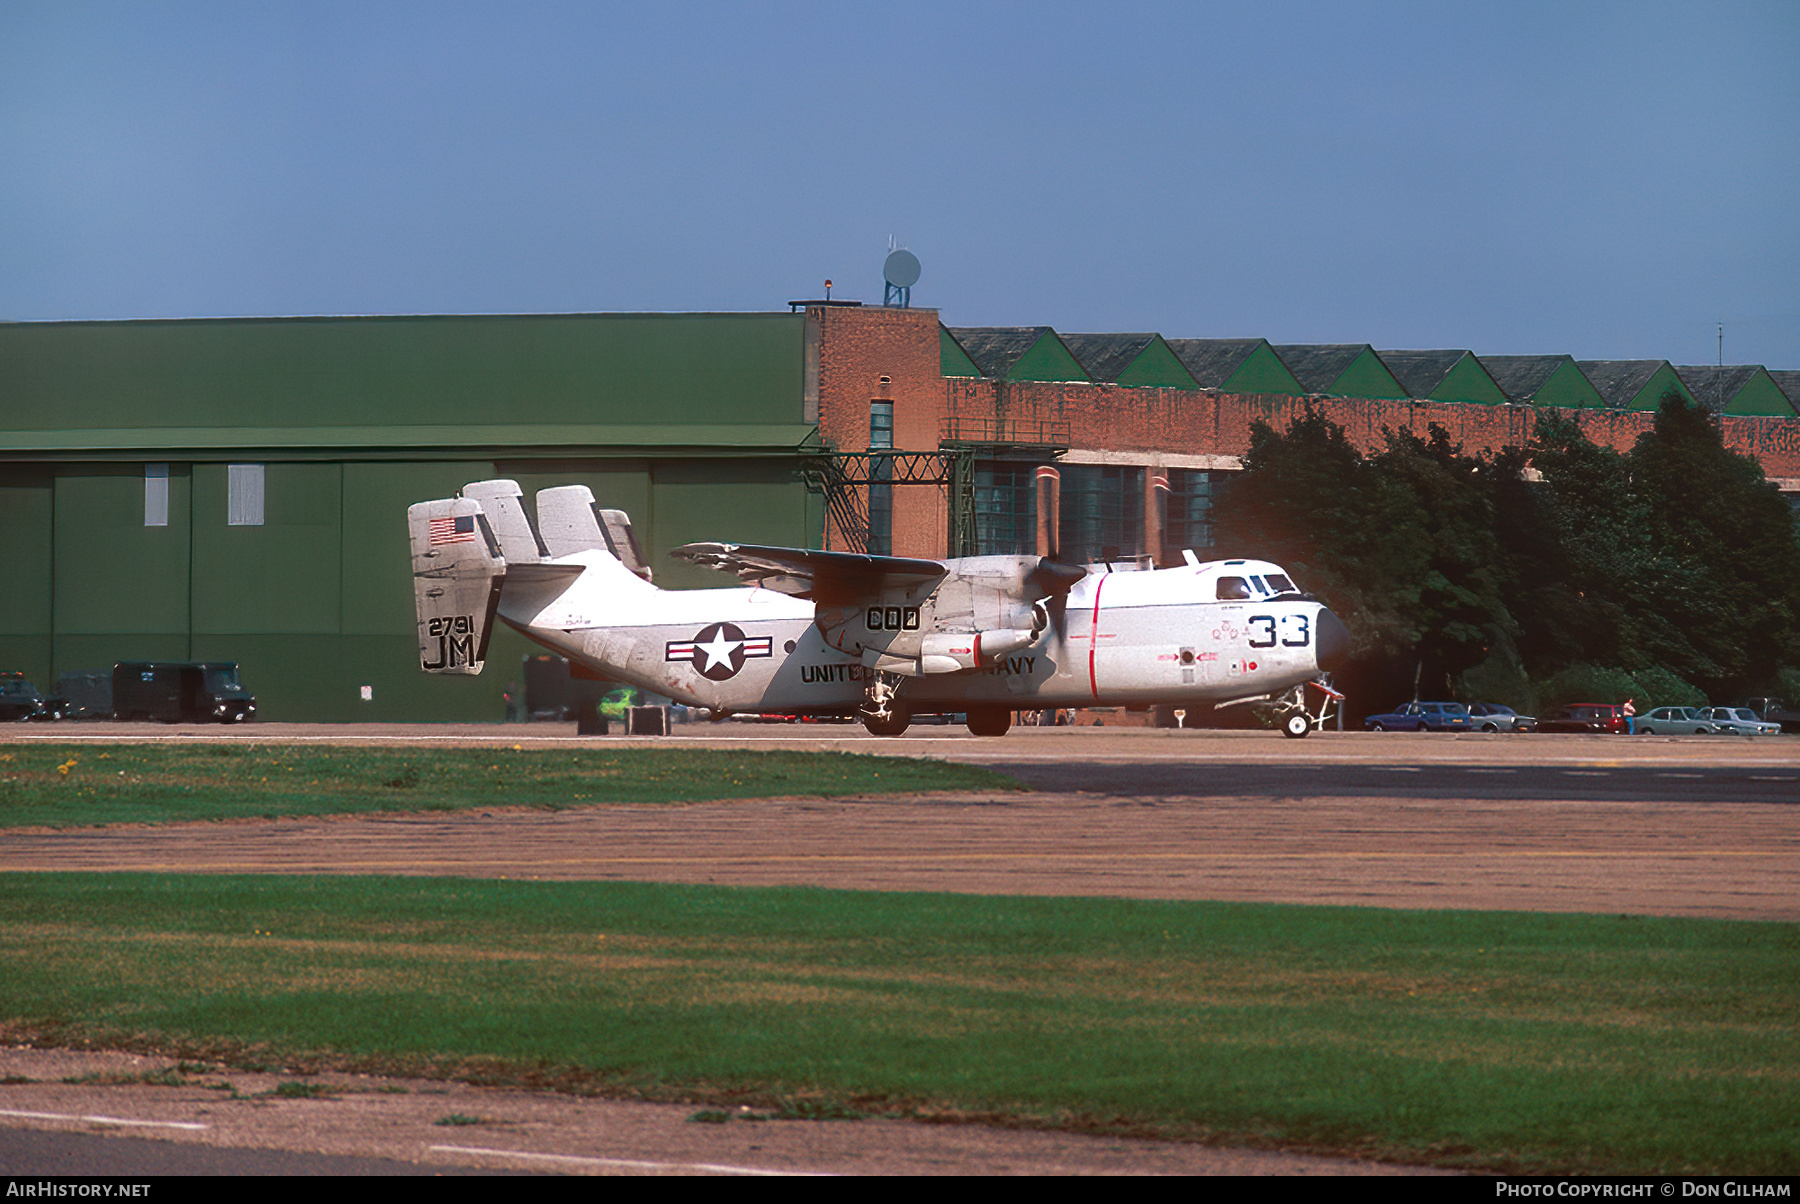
x: 1232, y: 588
x: 1280, y: 584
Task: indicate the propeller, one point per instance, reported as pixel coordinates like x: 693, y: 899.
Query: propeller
x: 1053, y: 580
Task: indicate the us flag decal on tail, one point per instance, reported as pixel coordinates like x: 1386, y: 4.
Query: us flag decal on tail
x: 457, y: 529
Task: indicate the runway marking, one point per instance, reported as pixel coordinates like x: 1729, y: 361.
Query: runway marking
x: 626, y: 1163
x: 108, y: 1120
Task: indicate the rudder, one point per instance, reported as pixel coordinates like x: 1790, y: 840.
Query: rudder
x: 458, y: 572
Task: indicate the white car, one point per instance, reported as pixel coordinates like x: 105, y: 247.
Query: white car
x: 1492, y: 717
x: 1741, y: 720
x: 1676, y: 721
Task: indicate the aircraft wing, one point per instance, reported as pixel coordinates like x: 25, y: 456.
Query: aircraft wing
x: 829, y: 578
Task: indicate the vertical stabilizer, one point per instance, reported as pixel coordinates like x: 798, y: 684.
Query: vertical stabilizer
x: 566, y: 520
x: 569, y: 520
x: 615, y: 527
x: 457, y: 574
x: 504, y: 504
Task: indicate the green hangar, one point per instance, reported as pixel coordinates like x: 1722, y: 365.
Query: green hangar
x: 228, y: 489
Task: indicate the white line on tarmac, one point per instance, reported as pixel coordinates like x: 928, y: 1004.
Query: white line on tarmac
x: 624, y: 1163
x: 108, y: 1120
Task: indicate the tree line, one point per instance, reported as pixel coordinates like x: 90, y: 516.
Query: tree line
x: 1557, y: 572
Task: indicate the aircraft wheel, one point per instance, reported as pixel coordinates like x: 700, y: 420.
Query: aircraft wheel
x: 989, y: 721
x: 894, y: 723
x: 1296, y: 725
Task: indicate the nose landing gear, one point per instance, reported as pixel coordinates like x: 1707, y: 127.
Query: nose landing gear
x: 1295, y: 721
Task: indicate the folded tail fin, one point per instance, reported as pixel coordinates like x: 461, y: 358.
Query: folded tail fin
x: 569, y: 520
x: 457, y: 574
x: 504, y: 504
x: 616, y: 527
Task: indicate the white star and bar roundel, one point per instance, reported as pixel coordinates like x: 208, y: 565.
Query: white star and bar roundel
x: 719, y: 651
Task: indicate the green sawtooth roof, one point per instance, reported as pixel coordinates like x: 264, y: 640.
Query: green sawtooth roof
x: 1019, y: 353
x: 1738, y: 389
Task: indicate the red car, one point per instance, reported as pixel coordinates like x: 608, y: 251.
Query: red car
x: 1586, y: 717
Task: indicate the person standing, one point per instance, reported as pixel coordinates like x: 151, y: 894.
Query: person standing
x: 1630, y: 709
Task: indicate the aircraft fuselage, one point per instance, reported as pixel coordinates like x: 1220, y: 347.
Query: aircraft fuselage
x: 1121, y: 638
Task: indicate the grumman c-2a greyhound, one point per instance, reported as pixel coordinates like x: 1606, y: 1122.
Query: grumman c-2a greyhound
x: 839, y: 633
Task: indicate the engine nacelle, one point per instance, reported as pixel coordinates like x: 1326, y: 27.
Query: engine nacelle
x: 984, y: 608
x: 949, y: 652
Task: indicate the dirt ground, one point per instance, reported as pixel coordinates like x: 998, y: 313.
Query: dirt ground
x: 1720, y: 861
x: 1736, y: 860
x: 1417, y: 846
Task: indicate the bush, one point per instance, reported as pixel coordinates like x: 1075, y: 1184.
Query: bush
x: 1789, y: 681
x: 1589, y: 683
x: 1500, y: 679
x: 1663, y: 689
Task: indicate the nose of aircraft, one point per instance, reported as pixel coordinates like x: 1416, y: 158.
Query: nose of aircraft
x: 1333, y: 646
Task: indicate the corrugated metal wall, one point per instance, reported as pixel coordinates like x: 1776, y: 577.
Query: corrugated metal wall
x: 683, y: 421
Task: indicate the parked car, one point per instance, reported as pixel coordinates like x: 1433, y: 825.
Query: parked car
x: 1740, y: 721
x: 1774, y: 711
x: 20, y: 700
x: 1585, y: 717
x: 1675, y: 721
x: 1421, y: 717
x: 173, y: 692
x: 1492, y: 717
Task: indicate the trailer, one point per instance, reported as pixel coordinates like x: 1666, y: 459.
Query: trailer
x: 174, y: 692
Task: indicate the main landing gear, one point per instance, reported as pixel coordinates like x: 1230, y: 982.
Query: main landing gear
x: 883, y: 714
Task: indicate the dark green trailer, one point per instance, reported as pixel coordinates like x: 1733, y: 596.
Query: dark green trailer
x: 172, y: 692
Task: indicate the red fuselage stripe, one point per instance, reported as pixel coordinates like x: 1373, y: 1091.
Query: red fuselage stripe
x: 1094, y: 638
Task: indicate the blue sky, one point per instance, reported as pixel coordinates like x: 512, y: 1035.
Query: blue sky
x: 1609, y: 180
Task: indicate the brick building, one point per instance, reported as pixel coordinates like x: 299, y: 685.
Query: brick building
x: 1139, y: 444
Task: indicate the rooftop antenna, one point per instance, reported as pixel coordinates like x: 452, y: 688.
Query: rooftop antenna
x: 901, y: 271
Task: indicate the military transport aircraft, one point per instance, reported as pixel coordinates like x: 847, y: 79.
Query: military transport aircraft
x: 840, y: 633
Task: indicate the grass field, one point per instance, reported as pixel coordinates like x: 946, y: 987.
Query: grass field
x: 72, y: 785
x: 1518, y: 1042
